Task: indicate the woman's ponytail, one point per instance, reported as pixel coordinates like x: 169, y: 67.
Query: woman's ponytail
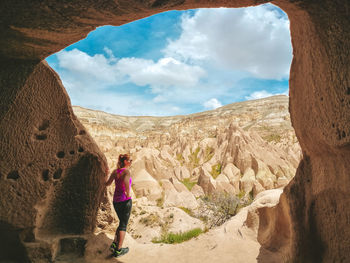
x: 121, y: 159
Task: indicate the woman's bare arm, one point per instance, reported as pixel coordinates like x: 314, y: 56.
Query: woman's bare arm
x: 126, y: 183
x: 111, y: 178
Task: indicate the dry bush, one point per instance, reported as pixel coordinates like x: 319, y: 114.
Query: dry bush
x: 216, y: 209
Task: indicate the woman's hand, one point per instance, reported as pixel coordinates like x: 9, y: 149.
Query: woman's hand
x: 111, y: 177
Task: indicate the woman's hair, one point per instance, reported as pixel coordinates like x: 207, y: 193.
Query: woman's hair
x: 121, y: 159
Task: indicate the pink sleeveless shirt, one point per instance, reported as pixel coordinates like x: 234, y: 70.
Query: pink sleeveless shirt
x: 119, y: 193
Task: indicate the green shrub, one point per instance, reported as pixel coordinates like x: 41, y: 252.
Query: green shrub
x: 272, y: 138
x: 142, y: 212
x: 160, y: 200
x: 241, y: 194
x: 194, y: 160
x: 173, y: 238
x: 186, y: 210
x: 208, y: 153
x: 215, y: 170
x: 187, y: 182
x: 180, y: 158
x: 150, y: 220
x: 244, y: 200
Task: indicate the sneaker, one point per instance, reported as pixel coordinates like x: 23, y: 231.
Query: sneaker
x: 113, y: 247
x: 120, y: 252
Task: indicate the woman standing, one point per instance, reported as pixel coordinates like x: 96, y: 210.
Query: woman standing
x: 121, y: 201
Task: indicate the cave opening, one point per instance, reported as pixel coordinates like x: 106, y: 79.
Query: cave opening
x: 181, y: 67
x: 313, y: 208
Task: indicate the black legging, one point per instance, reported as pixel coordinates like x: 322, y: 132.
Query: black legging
x: 123, y: 210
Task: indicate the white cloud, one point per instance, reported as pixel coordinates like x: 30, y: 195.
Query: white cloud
x: 89, y: 78
x: 83, y: 66
x: 259, y: 95
x: 264, y: 94
x: 212, y: 104
x: 255, y: 39
x: 216, y: 49
x: 110, y: 54
x: 166, y: 71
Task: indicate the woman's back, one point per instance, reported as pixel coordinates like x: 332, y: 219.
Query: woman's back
x: 119, y: 193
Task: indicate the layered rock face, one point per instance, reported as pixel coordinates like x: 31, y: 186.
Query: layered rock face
x: 315, y: 205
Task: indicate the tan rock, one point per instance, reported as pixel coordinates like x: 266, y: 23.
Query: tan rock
x: 223, y: 185
x: 234, y: 175
x: 257, y: 188
x: 197, y: 191
x: 166, y: 156
x: 52, y: 173
x: 248, y: 180
x: 181, y: 173
x: 175, y: 198
x: 282, y: 181
x: 207, y: 182
x: 145, y: 185
x: 264, y: 199
x: 180, y: 187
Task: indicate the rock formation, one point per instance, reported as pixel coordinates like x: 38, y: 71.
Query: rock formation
x: 315, y: 204
x: 179, y: 159
x: 207, y: 149
x: 51, y: 184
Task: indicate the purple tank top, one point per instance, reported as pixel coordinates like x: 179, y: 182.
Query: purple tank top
x: 119, y: 193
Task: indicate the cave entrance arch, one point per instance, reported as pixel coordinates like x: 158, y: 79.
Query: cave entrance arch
x: 176, y: 57
x: 316, y: 202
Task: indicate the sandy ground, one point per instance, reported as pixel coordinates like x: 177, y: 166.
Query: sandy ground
x: 232, y: 242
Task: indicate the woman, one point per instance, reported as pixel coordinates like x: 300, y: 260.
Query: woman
x: 121, y: 201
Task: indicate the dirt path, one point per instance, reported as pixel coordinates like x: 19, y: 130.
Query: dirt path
x: 232, y: 242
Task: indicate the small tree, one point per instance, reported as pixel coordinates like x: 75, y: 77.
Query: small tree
x: 217, y: 208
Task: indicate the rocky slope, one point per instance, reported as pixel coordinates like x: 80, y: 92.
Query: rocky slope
x: 240, y: 149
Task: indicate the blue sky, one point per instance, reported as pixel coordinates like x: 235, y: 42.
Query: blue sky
x: 179, y: 62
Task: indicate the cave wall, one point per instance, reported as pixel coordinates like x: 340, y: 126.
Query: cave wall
x: 50, y: 170
x: 317, y: 200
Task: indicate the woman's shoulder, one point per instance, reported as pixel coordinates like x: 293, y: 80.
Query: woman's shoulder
x: 126, y: 171
x: 122, y: 171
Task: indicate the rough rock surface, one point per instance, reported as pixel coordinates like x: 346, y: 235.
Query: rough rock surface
x: 51, y: 169
x: 315, y: 204
x: 227, y: 149
x: 172, y: 153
